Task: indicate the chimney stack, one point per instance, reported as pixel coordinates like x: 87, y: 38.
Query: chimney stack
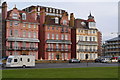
x: 4, y: 10
x: 72, y: 20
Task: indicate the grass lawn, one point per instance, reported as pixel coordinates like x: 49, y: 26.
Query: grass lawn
x: 90, y: 72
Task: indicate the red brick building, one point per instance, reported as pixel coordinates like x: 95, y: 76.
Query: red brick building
x: 54, y: 33
x: 100, y: 43
x: 21, y: 32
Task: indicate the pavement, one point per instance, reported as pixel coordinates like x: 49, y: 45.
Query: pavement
x: 68, y: 65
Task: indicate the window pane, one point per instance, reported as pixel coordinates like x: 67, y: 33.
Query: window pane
x: 15, y: 60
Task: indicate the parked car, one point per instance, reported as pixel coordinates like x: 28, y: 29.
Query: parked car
x: 74, y: 61
x: 114, y: 59
x: 98, y: 60
x: 106, y: 60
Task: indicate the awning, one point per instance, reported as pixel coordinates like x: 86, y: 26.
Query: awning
x: 22, y: 39
x: 59, y: 41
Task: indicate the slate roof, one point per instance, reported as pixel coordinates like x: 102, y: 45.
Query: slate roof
x: 114, y: 39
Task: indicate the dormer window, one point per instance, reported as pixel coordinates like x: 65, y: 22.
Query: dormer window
x: 46, y: 9
x: 92, y: 25
x: 60, y: 11
x: 56, y: 20
x: 53, y: 10
x: 15, y: 16
x: 64, y: 22
x: 23, y: 16
x: 57, y: 11
x: 50, y: 10
x: 38, y: 8
x: 83, y: 23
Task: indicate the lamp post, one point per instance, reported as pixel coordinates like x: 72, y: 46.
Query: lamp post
x: 86, y: 57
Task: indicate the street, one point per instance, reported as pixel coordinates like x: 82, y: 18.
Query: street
x: 68, y: 65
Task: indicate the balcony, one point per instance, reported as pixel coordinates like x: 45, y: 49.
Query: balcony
x: 22, y: 39
x: 113, y: 47
x: 112, y: 51
x: 86, y: 50
x: 87, y: 43
x: 59, y: 41
x: 112, y: 43
x: 58, y: 49
x: 21, y: 48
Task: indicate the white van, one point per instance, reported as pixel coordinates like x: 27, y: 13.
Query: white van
x: 21, y: 61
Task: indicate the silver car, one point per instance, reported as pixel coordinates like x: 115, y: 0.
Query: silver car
x: 106, y: 60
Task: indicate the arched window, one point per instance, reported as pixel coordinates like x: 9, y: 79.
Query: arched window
x: 56, y: 20
x: 23, y: 16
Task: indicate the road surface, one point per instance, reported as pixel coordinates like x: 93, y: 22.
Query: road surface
x: 68, y: 65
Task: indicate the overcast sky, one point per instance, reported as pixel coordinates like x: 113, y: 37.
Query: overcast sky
x: 104, y: 11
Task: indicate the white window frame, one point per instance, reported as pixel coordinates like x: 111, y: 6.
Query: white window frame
x: 53, y: 36
x: 24, y: 24
x: 15, y: 16
x: 62, y: 37
x: 29, y: 34
x: 11, y: 23
x: 16, y: 33
x: 66, y: 56
x: 66, y: 37
x: 57, y: 37
x: 57, y: 11
x: 35, y: 25
x: 64, y: 22
x: 23, y: 16
x: 29, y: 25
x: 53, y: 10
x: 46, y: 9
x: 52, y: 56
x: 24, y: 33
x: 63, y: 56
x: 48, y: 36
x: 16, y: 23
x: 56, y: 20
x: 11, y: 32
x: 38, y: 8
x: 50, y: 10
x: 34, y: 35
x: 15, y: 45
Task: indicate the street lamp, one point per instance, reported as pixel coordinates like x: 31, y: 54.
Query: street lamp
x: 86, y: 57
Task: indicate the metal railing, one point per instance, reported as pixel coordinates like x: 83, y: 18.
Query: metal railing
x: 58, y: 49
x: 21, y: 48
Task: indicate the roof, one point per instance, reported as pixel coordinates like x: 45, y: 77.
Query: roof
x: 29, y: 17
x: 90, y: 20
x: 114, y: 39
x: 78, y: 25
